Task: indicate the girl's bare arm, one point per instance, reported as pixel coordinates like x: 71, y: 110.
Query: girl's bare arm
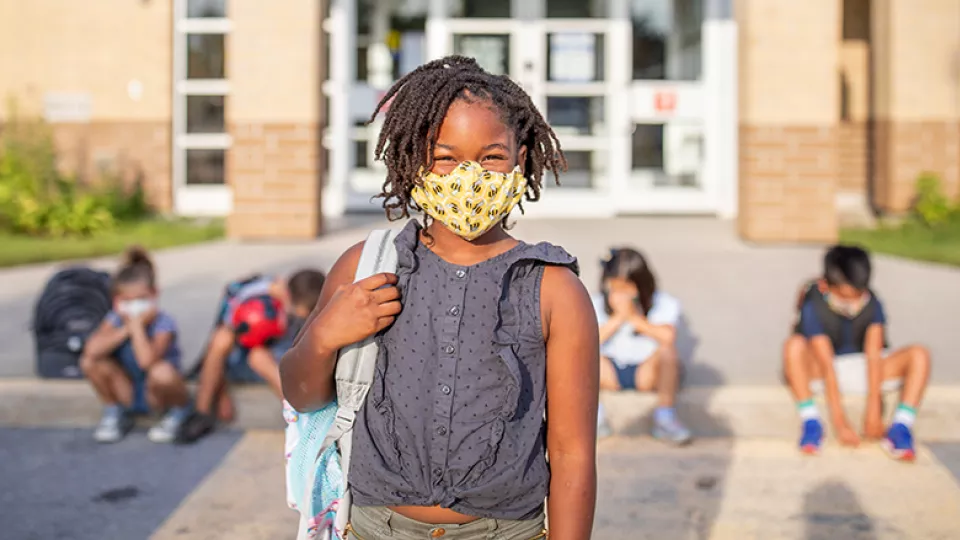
x: 573, y: 382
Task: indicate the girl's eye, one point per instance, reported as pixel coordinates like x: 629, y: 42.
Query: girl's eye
x: 495, y: 157
x: 445, y: 159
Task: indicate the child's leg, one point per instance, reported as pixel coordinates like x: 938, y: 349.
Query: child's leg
x: 110, y: 383
x: 912, y: 365
x: 799, y: 368
x: 661, y: 372
x: 263, y: 362
x: 608, y: 375
x: 214, y: 367
x: 166, y: 391
x: 166, y: 388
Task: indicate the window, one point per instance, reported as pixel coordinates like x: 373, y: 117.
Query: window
x: 667, y: 39
x: 200, y: 92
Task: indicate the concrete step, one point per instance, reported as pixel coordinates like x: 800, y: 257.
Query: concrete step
x: 728, y: 411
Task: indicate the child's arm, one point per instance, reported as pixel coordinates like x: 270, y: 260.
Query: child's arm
x: 823, y: 354
x: 873, y: 351
x: 148, y: 351
x: 106, y: 338
x: 573, y: 375
x: 346, y: 313
x: 610, y: 327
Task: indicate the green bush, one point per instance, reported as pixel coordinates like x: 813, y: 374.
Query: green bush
x: 37, y: 199
x: 931, y: 207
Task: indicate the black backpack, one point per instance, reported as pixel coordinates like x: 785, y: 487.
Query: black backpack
x: 71, y: 306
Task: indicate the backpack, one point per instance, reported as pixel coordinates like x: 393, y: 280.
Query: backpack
x: 229, y: 292
x: 318, y: 444
x: 72, y: 305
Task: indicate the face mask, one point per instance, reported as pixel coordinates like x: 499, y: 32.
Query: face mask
x: 136, y: 307
x: 847, y: 308
x: 470, y: 200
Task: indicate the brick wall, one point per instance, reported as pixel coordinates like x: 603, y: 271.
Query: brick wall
x: 787, y: 183
x: 131, y: 150
x: 907, y: 149
x: 273, y: 170
x: 852, y: 161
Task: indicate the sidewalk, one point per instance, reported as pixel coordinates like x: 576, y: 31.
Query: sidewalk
x: 719, y: 490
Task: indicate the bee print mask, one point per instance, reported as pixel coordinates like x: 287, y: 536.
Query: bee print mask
x: 470, y: 200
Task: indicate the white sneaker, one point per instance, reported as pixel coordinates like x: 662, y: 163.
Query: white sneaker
x: 113, y: 427
x: 167, y: 429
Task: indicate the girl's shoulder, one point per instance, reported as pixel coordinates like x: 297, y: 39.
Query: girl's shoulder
x: 164, y: 322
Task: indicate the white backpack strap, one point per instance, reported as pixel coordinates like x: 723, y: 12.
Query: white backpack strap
x: 355, y: 367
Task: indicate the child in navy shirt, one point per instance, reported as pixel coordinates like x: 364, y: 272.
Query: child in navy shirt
x: 839, y: 345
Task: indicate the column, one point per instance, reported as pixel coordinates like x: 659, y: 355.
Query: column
x: 275, y: 118
x: 916, y: 104
x: 788, y: 119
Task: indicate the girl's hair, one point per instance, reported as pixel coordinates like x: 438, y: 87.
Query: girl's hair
x: 418, y: 103
x: 631, y: 265
x: 136, y: 266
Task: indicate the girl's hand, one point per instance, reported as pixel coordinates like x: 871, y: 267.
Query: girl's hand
x: 623, y: 304
x: 356, y: 312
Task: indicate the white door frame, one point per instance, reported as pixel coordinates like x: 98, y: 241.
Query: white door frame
x: 195, y: 200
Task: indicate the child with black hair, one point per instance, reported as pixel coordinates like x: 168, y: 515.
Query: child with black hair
x: 488, y: 345
x: 638, y: 335
x: 227, y: 359
x: 839, y: 345
x: 133, y: 358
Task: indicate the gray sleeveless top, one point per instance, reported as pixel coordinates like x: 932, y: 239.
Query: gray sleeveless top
x: 455, y: 414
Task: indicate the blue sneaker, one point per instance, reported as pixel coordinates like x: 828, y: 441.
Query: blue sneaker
x: 899, y: 443
x: 811, y: 437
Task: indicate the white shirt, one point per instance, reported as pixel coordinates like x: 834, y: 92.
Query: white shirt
x: 628, y: 348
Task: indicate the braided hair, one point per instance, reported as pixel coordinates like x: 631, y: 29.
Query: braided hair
x: 418, y: 104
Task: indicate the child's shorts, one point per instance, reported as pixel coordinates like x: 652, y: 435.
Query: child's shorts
x: 851, y: 372
x: 373, y: 522
x: 127, y: 359
x: 238, y: 367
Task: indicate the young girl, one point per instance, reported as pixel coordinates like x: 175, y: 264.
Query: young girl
x: 480, y: 334
x: 638, y: 330
x: 133, y: 359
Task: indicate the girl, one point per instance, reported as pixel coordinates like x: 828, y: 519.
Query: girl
x: 133, y: 359
x: 638, y: 330
x: 492, y: 334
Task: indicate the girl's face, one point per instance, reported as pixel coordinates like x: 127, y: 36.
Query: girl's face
x: 621, y: 286
x: 474, y: 132
x: 135, y: 298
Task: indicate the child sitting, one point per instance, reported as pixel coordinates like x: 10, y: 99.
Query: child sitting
x: 839, y: 344
x: 638, y: 339
x: 132, y: 360
x: 225, y: 358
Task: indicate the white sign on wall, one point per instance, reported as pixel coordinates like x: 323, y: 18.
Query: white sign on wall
x: 573, y: 57
x: 63, y: 107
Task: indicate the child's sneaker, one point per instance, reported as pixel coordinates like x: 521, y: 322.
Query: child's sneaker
x: 167, y: 429
x: 114, y: 425
x: 672, y: 431
x: 811, y: 437
x: 196, y: 426
x: 899, y: 443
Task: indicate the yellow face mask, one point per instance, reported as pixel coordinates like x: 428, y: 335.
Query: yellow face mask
x: 470, y: 200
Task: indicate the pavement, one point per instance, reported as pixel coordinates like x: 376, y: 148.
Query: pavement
x: 230, y: 486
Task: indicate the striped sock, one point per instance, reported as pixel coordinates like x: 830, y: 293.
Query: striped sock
x: 808, y: 410
x: 905, y: 415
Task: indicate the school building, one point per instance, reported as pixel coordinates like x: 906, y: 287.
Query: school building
x: 785, y: 115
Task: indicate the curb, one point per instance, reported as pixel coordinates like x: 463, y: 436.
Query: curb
x: 729, y: 411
